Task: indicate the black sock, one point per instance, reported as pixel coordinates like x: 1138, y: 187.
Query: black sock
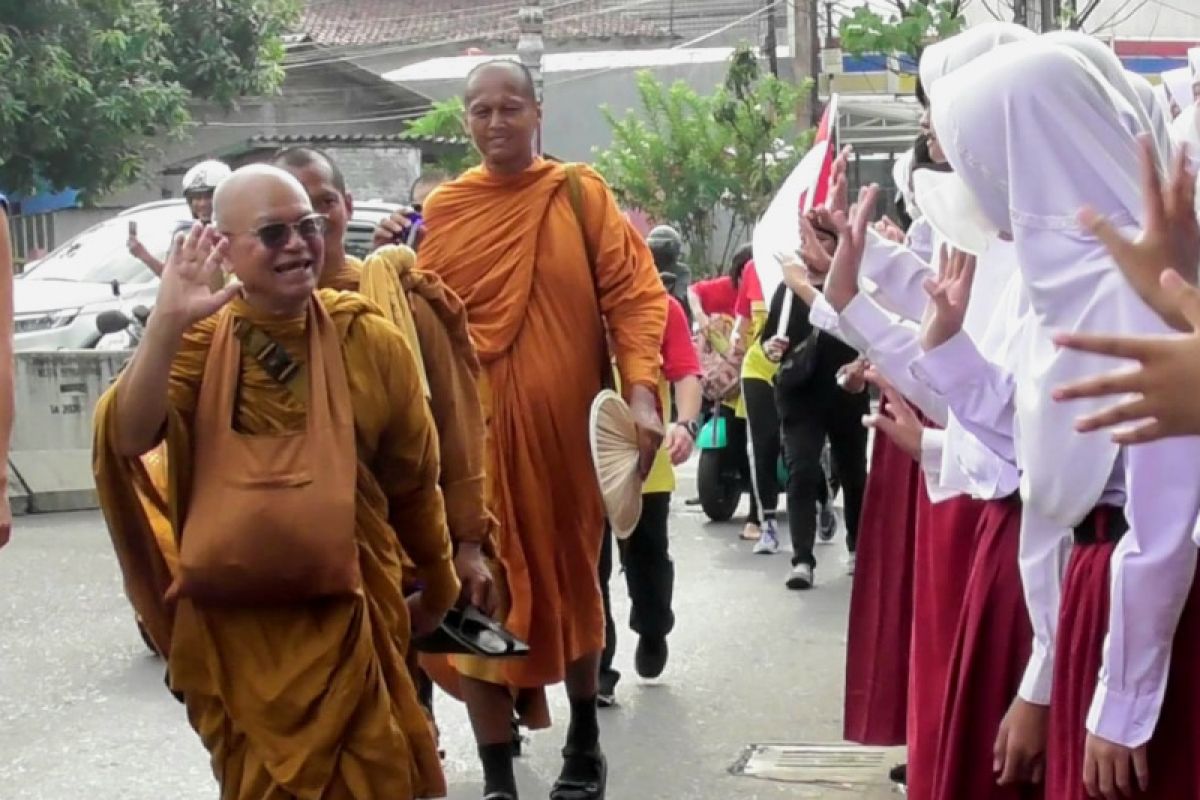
x: 584, y: 733
x: 769, y: 516
x: 497, y: 760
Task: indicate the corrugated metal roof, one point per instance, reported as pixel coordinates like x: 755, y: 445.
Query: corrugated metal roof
x: 284, y: 140
x: 366, y: 22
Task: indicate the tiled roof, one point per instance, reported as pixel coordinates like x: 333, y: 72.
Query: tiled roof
x: 367, y: 22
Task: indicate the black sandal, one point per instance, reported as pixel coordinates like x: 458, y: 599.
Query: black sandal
x: 570, y: 786
x: 499, y: 796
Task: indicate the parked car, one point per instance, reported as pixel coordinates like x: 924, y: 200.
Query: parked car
x: 58, y: 298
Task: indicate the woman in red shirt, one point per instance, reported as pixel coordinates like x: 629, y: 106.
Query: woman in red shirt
x: 717, y: 299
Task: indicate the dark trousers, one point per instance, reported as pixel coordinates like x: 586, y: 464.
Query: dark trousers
x: 808, y: 418
x: 763, y: 421
x: 649, y: 575
x: 739, y: 446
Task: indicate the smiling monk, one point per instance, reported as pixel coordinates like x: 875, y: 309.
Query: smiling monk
x: 303, y: 465
x: 541, y: 276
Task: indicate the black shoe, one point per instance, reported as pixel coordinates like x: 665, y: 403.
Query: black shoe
x: 899, y: 774
x: 584, y: 776
x: 650, y: 659
x: 606, y: 697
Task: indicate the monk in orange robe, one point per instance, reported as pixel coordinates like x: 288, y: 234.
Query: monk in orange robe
x: 307, y: 697
x: 544, y: 263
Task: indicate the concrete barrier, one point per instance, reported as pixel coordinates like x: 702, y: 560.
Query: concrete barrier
x: 50, y: 463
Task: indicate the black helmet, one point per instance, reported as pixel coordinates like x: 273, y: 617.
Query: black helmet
x: 666, y: 244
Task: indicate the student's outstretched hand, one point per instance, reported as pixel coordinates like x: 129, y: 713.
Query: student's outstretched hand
x: 1157, y: 397
x: 1170, y: 239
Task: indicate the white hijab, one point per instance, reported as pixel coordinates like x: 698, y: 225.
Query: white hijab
x: 1112, y: 70
x: 1159, y: 114
x: 1049, y: 136
x: 942, y: 58
x: 1179, y: 86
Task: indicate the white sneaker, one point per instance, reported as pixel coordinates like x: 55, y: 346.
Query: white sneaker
x: 768, y: 543
x: 801, y: 577
x: 850, y: 564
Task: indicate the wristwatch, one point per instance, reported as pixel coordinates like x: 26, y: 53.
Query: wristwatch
x: 691, y: 426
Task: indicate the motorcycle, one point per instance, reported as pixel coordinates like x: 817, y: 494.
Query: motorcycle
x: 121, y: 331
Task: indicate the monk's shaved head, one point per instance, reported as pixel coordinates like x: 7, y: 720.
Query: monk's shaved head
x: 517, y: 71
x: 249, y: 194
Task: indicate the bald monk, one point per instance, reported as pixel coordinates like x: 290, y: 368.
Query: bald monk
x: 536, y: 281
x: 289, y: 654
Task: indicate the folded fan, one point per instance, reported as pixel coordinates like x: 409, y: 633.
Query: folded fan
x: 614, y: 440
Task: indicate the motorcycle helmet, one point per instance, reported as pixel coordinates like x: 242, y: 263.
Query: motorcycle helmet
x: 204, y: 177
x: 666, y: 245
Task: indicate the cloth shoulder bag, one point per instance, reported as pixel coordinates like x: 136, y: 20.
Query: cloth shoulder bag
x: 271, y: 517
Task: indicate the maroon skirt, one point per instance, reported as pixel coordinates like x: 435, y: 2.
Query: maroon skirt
x: 991, y: 649
x: 1174, y: 749
x: 944, y: 550
x: 880, y: 627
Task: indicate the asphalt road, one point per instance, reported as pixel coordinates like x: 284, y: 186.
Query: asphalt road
x: 84, y: 713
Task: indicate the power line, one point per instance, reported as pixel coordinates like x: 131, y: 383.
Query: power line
x: 683, y: 46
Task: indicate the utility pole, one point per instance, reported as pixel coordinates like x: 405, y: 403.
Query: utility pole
x: 771, y: 45
x: 1021, y: 12
x: 806, y: 53
x: 530, y: 49
x: 814, y: 60
x: 1050, y: 14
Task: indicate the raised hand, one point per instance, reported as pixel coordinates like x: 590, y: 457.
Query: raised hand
x: 185, y: 295
x: 392, y: 228
x: 841, y: 285
x: 949, y: 296
x: 1158, y: 395
x: 816, y: 258
x: 1170, y: 239
x: 839, y: 185
x: 890, y: 231
x: 895, y: 419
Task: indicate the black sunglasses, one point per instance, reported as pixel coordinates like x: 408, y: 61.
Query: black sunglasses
x: 276, y: 235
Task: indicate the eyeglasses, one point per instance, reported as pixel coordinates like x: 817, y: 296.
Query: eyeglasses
x: 276, y: 235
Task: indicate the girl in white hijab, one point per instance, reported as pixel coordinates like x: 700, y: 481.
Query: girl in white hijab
x: 958, y: 694
x: 1049, y: 136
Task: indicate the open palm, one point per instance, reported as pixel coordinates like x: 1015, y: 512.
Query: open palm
x: 949, y: 296
x: 186, y: 292
x: 1170, y: 239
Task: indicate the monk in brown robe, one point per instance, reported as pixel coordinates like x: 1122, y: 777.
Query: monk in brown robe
x: 540, y: 283
x: 303, y: 698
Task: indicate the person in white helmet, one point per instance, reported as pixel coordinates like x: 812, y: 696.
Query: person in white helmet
x: 199, y: 184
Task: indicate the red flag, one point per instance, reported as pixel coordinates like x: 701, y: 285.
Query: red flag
x: 826, y: 131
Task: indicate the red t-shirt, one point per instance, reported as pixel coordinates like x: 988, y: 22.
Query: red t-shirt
x: 678, y: 353
x: 717, y: 295
x: 749, y: 291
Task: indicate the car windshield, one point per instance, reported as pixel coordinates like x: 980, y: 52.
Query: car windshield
x: 100, y: 254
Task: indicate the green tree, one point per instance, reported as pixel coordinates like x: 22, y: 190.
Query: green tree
x: 225, y: 49
x: 913, y: 24
x: 445, y: 120
x: 686, y: 157
x: 86, y: 86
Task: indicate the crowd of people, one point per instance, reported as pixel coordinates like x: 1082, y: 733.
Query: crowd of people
x: 311, y: 459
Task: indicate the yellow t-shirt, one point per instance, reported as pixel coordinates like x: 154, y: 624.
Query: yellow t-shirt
x: 662, y: 473
x: 756, y: 365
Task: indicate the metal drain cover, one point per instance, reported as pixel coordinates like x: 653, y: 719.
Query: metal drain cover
x: 830, y: 764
